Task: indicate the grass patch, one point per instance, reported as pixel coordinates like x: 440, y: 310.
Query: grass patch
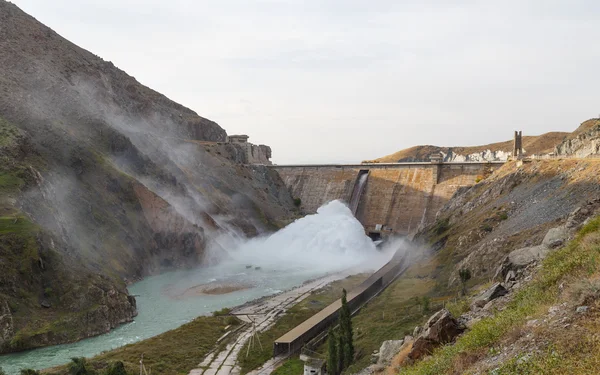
x: 578, y: 258
x: 294, y: 316
x: 293, y: 366
x: 173, y: 352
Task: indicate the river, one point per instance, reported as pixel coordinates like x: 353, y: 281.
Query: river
x: 329, y: 241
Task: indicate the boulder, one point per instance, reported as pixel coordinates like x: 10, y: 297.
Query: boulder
x: 388, y: 350
x: 555, y: 237
x: 519, y: 259
x: 417, y: 331
x: 440, y: 329
x: 495, y: 291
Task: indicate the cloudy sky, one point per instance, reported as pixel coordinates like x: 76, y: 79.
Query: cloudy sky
x: 347, y: 80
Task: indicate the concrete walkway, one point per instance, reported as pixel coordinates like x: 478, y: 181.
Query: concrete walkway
x: 258, y: 317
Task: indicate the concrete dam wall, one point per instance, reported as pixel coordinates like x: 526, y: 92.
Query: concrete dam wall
x: 396, y: 198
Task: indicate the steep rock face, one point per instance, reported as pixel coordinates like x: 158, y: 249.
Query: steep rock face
x: 103, y: 180
x: 584, y: 142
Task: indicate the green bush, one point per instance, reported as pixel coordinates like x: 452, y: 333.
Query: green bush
x: 116, y: 368
x: 232, y: 321
x: 222, y: 312
x: 297, y: 202
x: 29, y: 371
x: 78, y: 366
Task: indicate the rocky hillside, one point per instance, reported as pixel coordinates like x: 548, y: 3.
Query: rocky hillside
x: 583, y: 142
x: 528, y: 238
x: 104, y: 180
x: 532, y: 145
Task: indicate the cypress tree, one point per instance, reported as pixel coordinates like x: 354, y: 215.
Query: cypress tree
x: 332, y: 353
x: 346, y: 332
x: 340, y: 353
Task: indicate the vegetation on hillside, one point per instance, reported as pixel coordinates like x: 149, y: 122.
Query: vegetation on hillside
x: 579, y: 259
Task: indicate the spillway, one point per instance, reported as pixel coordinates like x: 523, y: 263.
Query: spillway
x: 359, y: 188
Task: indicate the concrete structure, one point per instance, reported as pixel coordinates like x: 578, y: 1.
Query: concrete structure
x: 518, y: 145
x: 254, y: 154
x: 306, y: 331
x: 398, y: 197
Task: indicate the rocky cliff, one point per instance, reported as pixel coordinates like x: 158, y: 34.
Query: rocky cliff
x: 104, y: 180
x: 583, y: 142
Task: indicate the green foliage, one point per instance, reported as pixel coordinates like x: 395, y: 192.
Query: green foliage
x: 465, y: 275
x: 441, y: 226
x: 458, y: 307
x: 29, y: 371
x: 332, y: 353
x: 292, y: 366
x: 78, y: 366
x: 297, y: 202
x: 346, y: 336
x: 222, y: 312
x: 116, y: 368
x: 2, y: 371
x: 425, y: 303
x: 232, y: 320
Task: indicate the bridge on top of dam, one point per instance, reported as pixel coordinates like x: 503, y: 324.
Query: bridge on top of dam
x: 393, y: 198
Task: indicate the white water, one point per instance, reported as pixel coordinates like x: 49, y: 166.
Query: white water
x: 331, y: 240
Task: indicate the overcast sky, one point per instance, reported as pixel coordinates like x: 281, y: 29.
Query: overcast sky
x: 347, y: 80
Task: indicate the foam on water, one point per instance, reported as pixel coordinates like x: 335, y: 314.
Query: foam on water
x: 328, y: 241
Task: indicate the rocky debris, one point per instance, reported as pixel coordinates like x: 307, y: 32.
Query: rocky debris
x: 555, y: 237
x: 495, y: 291
x: 440, y: 329
x: 581, y: 214
x: 582, y: 309
x: 388, y: 350
x: 6, y: 324
x: 46, y: 304
x: 521, y: 258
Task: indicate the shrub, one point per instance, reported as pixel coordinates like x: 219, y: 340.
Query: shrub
x: 116, y: 368
x: 222, y: 312
x: 78, y: 366
x: 297, y: 202
x: 232, y: 321
x: 441, y: 226
x: 29, y: 371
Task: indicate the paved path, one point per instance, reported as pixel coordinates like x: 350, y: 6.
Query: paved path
x: 260, y: 315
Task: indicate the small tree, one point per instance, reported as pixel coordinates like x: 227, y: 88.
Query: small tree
x: 78, y: 366
x: 340, y: 353
x: 332, y: 353
x: 465, y: 275
x: 116, y: 368
x: 346, y: 331
x: 426, y: 302
x: 297, y: 202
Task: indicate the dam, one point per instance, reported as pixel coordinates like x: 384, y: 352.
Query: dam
x: 387, y: 198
